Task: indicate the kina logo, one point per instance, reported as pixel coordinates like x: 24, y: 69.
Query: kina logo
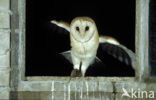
x: 137, y: 93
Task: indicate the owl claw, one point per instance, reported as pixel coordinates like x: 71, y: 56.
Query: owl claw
x: 76, y: 73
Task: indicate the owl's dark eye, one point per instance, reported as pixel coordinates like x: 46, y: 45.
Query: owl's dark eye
x: 77, y: 28
x: 87, y: 28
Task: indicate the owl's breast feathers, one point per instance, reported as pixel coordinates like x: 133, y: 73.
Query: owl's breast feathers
x: 85, y: 49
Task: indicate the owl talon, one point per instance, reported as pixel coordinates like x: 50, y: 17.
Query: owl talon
x: 76, y: 73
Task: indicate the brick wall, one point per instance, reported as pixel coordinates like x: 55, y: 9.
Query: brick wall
x: 4, y: 48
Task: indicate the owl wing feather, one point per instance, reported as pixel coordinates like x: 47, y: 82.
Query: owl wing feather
x: 62, y: 24
x: 117, y: 50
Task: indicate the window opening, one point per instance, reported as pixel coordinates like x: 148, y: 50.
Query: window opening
x: 44, y: 40
x: 152, y: 37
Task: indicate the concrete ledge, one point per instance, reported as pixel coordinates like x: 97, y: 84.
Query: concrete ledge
x: 56, y: 86
x: 100, y: 79
x: 101, y: 84
x: 88, y: 84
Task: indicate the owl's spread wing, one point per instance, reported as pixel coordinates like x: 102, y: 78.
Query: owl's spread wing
x: 61, y: 24
x: 114, y: 48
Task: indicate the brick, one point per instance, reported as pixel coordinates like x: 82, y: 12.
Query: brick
x: 4, y: 4
x: 5, y: 60
x: 4, y: 93
x: 4, y: 13
x: 58, y: 86
x: 4, y: 77
x: 106, y: 96
x: 60, y: 96
x: 106, y: 86
x: 4, y: 41
x: 4, y: 19
x: 34, y: 86
x: 28, y: 95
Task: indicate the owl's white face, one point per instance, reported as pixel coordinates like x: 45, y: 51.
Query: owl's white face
x: 82, y: 29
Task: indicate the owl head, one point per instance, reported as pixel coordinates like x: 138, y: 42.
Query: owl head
x: 83, y: 29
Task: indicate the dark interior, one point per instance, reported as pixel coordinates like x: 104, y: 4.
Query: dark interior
x: 152, y: 37
x: 44, y: 41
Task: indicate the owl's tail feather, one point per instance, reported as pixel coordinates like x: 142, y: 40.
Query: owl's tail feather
x: 67, y: 55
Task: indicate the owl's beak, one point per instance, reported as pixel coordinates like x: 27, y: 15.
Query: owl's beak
x: 82, y: 35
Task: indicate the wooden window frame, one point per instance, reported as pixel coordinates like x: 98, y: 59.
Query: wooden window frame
x: 20, y: 82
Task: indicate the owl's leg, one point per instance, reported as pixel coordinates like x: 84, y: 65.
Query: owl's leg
x: 76, y: 62
x: 83, y: 69
x: 85, y: 64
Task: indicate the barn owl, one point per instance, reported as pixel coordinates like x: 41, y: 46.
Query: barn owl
x: 84, y: 42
